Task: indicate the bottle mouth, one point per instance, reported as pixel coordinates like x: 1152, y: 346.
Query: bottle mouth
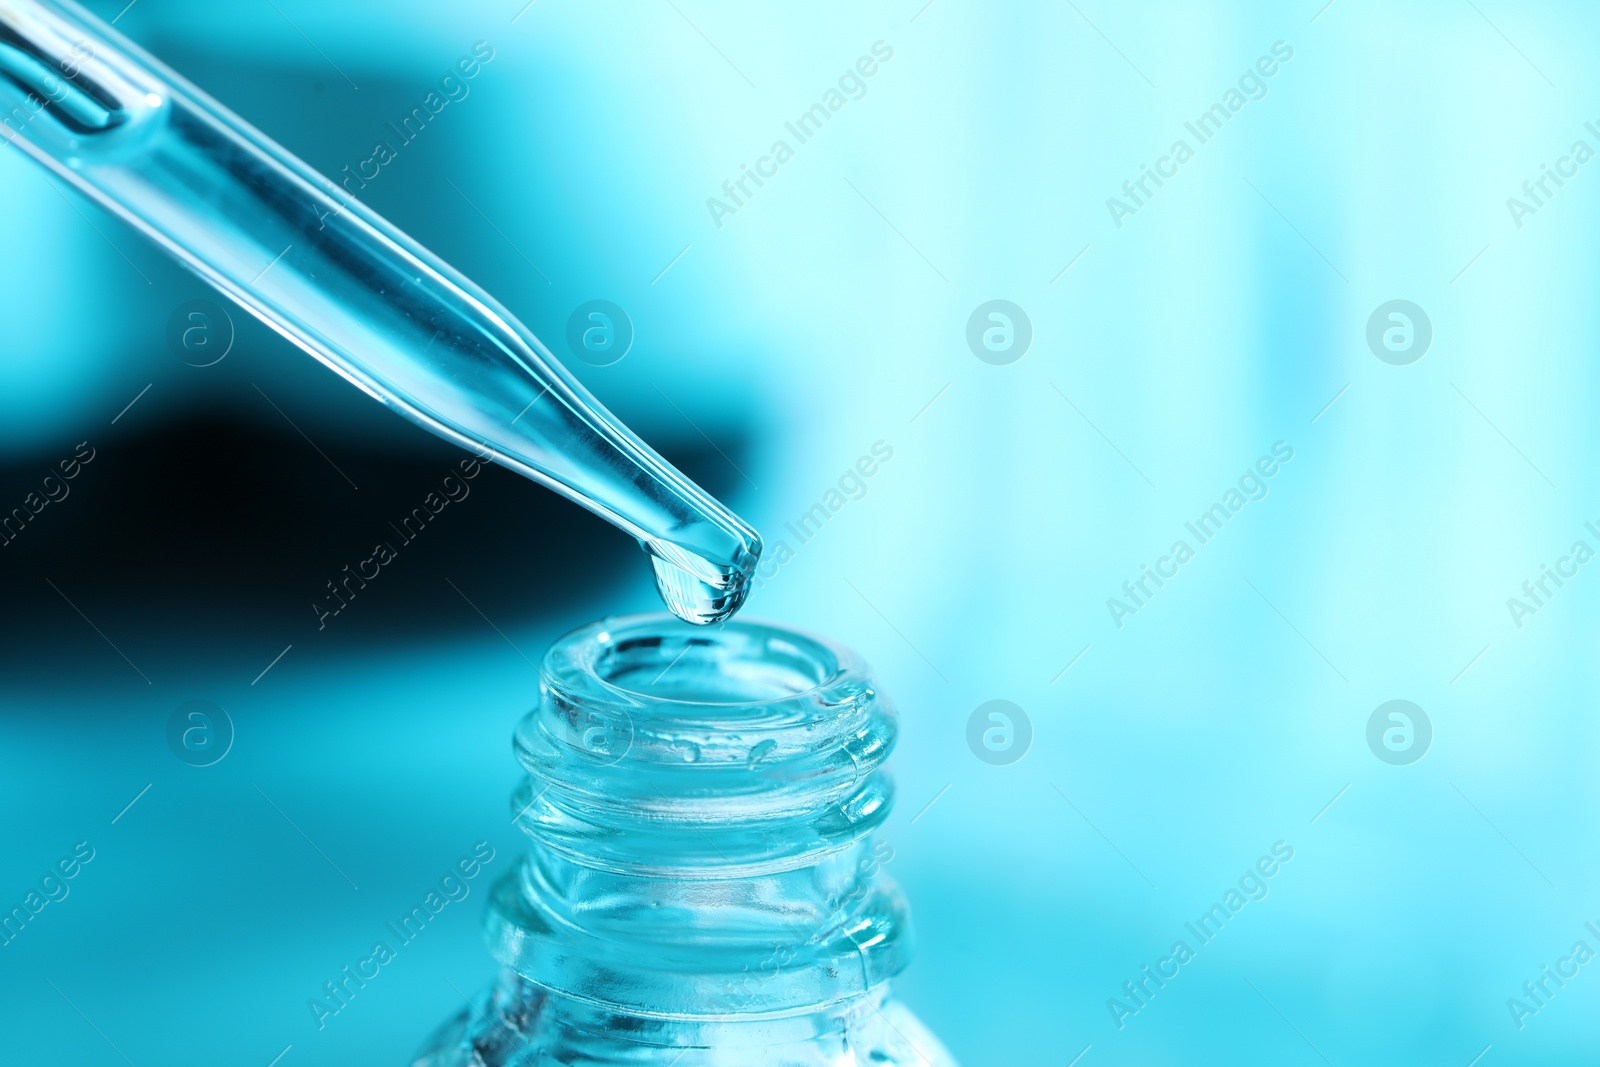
x: 656, y: 667
x: 696, y: 796
x: 702, y: 752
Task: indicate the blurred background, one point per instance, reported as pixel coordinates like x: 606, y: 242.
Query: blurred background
x: 1159, y: 340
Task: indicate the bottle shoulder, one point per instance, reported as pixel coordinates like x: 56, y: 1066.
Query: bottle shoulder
x: 516, y: 1023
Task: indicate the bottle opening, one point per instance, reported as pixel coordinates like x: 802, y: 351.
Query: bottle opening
x: 625, y: 694
x: 658, y: 660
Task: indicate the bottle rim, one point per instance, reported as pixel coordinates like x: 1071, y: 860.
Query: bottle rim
x: 774, y: 674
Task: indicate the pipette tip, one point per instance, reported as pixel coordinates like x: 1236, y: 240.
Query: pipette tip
x: 694, y: 599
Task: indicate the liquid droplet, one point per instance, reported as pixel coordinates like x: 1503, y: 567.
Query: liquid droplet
x: 695, y: 600
x: 761, y: 752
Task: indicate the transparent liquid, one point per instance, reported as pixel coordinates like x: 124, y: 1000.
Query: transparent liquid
x: 692, y: 598
x: 704, y: 888
x: 339, y: 281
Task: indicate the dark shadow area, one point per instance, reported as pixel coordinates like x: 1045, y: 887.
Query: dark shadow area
x: 209, y: 527
x: 234, y: 508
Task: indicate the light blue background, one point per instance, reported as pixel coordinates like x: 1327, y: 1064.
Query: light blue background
x: 823, y: 317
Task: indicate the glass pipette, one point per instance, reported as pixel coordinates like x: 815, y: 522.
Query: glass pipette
x: 348, y: 287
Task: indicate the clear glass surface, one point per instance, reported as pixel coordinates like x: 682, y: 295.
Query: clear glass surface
x: 339, y: 281
x: 703, y: 887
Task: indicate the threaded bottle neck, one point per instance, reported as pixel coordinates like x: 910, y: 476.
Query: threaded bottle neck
x: 700, y: 801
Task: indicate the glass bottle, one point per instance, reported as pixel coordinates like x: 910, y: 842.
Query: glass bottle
x: 704, y: 889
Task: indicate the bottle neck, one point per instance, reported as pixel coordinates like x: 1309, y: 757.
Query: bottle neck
x: 582, y: 1022
x: 702, y: 843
